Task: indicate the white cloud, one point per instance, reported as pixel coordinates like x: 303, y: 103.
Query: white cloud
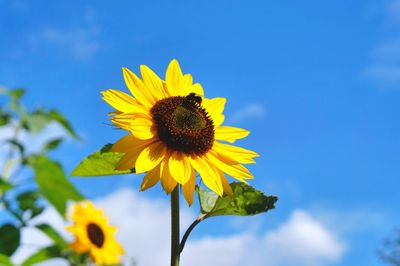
x: 384, y: 75
x: 144, y: 229
x: 81, y: 43
x: 250, y: 111
x: 384, y: 68
x: 301, y: 240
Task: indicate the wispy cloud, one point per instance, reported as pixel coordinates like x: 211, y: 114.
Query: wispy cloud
x: 81, y: 42
x: 143, y: 226
x: 250, y: 111
x: 384, y: 68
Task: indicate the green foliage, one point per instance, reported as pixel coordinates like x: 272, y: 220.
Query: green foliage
x: 5, y: 261
x: 52, y: 144
x: 36, y: 121
x: 43, y: 254
x: 9, y: 239
x: 53, y: 183
x: 245, y: 201
x: 100, y: 163
x: 5, y: 118
x: 4, y: 185
x: 53, y: 235
x: 28, y: 202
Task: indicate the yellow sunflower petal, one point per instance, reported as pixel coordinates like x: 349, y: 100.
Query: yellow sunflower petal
x: 106, y: 252
x: 230, y: 134
x: 167, y: 181
x: 174, y: 79
x: 151, y: 178
x: 143, y: 128
x: 127, y: 142
x: 196, y: 88
x: 123, y: 102
x: 225, y: 185
x: 188, y: 188
x: 239, y: 154
x: 150, y: 157
x: 218, y: 119
x: 187, y: 82
x: 214, y: 108
x: 138, y: 88
x: 210, y: 178
x: 128, y: 161
x: 214, y: 105
x: 141, y: 125
x: 229, y: 166
x: 79, y: 247
x: 179, y: 167
x: 151, y: 80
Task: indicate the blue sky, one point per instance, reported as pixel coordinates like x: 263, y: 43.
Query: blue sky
x: 316, y: 82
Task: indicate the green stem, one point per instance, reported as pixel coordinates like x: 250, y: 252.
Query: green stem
x: 188, y: 231
x: 175, y: 227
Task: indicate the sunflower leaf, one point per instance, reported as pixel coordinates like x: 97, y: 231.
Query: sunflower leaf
x: 53, y: 184
x: 100, y: 163
x: 245, y: 201
x: 43, y: 255
x: 10, y: 237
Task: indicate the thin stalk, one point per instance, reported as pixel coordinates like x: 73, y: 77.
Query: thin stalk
x: 175, y: 227
x: 188, y: 231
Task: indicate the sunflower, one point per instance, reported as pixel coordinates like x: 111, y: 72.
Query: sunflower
x: 93, y: 234
x: 174, y: 132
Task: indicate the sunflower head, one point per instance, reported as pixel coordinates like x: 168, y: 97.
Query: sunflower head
x: 174, y: 132
x: 94, y: 235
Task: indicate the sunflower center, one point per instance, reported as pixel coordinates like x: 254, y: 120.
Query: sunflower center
x: 183, y: 125
x: 95, y: 234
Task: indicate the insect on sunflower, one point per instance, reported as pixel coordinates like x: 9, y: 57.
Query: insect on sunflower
x: 94, y: 235
x: 174, y: 132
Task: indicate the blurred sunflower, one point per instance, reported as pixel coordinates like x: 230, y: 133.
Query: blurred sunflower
x: 93, y: 234
x: 174, y: 132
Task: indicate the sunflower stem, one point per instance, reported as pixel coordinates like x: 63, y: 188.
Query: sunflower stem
x: 175, y: 252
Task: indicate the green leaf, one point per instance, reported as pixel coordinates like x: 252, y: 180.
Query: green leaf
x: 4, y: 185
x: 52, y: 144
x: 36, y: 121
x: 100, y: 163
x: 58, y: 117
x: 53, y: 184
x: 245, y: 201
x: 17, y: 145
x: 16, y: 93
x: 5, y: 118
x: 53, y: 235
x: 5, y: 261
x: 27, y: 200
x: 9, y: 239
x: 39, y: 119
x: 43, y: 254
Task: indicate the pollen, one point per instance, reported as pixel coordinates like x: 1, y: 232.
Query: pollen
x: 183, y: 125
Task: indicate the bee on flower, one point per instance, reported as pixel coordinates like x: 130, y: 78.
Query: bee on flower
x: 174, y: 132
